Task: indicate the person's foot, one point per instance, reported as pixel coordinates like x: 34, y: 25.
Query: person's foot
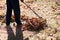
x: 7, y: 26
x: 22, y: 27
x: 19, y: 26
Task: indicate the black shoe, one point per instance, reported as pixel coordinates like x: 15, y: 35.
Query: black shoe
x: 19, y: 26
x: 7, y: 26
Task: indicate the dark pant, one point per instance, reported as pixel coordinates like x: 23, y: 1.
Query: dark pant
x: 13, y: 4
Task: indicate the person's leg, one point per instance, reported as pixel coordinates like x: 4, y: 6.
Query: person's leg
x: 19, y: 34
x: 9, y: 12
x: 17, y: 12
x: 9, y: 30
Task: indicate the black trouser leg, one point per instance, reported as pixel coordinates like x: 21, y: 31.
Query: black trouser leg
x: 9, y: 12
x: 17, y: 12
x: 10, y: 32
x: 19, y: 34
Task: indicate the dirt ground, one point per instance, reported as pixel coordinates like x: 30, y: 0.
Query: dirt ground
x: 47, y: 9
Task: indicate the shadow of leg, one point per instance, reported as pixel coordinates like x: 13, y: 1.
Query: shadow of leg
x: 19, y: 34
x: 10, y: 33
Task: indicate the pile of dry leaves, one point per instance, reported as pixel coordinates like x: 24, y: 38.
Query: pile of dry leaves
x: 31, y: 24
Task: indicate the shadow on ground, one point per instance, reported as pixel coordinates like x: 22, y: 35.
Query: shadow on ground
x: 11, y: 36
